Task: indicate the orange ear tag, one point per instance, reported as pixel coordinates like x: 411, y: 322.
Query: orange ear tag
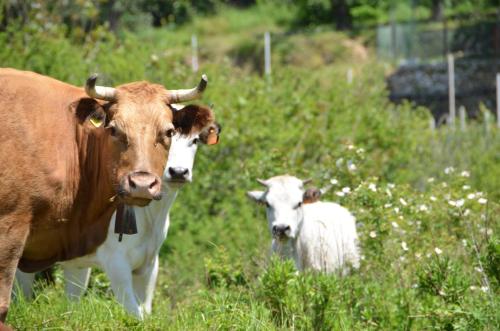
x: 212, y: 138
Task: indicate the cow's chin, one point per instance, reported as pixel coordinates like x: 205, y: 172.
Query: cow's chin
x: 140, y: 202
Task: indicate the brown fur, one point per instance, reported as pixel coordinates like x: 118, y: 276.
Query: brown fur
x: 192, y: 118
x: 311, y: 195
x: 58, y: 172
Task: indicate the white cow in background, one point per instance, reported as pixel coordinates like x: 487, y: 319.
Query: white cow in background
x: 317, y: 235
x: 132, y: 264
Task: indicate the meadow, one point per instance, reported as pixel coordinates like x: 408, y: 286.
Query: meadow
x: 426, y: 201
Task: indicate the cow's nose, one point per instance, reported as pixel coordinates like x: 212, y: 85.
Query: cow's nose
x: 280, y: 230
x: 178, y: 172
x: 144, y: 185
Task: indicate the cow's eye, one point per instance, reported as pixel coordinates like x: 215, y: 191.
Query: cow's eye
x: 195, y: 141
x: 297, y: 206
x: 170, y: 133
x: 267, y: 204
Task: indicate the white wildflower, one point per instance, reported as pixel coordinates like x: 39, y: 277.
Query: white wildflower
x: 452, y: 203
x: 444, y: 184
x: 482, y: 201
x: 350, y: 147
x: 339, y: 162
x: 391, y: 185
x: 465, y: 173
x: 423, y: 208
x: 471, y: 196
x: 373, y: 234
x: 388, y: 192
x: 360, y: 151
x: 404, y: 246
x: 438, y: 251
x: 154, y: 58
x: 485, y: 289
x: 334, y: 181
x: 418, y: 255
x: 449, y: 170
x: 403, y: 202
x: 467, y: 212
x: 473, y: 288
x: 466, y: 187
x: 388, y: 205
x: 400, y: 217
x: 478, y: 269
x: 460, y: 202
x: 346, y: 190
x: 395, y: 225
x: 340, y: 193
x: 372, y: 187
x: 433, y: 198
x: 464, y: 242
x: 396, y: 209
x: 442, y: 293
x: 431, y: 180
x: 351, y: 166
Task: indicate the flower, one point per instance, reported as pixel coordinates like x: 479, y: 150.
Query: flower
x: 466, y: 187
x: 396, y: 209
x: 346, y: 190
x: 433, y: 198
x: 464, y: 242
x: 372, y: 187
x: 458, y: 203
x: 482, y: 201
x: 423, y: 208
x: 391, y: 185
x: 467, y: 212
x: 340, y: 193
x: 334, y: 181
x: 395, y: 225
x: 471, y: 196
x: 404, y: 246
x: 350, y: 147
x: 388, y: 205
x: 339, y: 162
x: 403, y: 202
x: 465, y: 173
x: 485, y: 289
x: 449, y: 170
x: 418, y: 255
x: 438, y: 251
x: 360, y: 151
x: 372, y: 234
x: 351, y: 166
x: 431, y: 180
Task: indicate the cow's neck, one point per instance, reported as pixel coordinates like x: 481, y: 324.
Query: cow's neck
x: 155, y: 216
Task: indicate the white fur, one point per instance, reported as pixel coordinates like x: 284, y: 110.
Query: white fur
x: 320, y: 236
x: 131, y: 265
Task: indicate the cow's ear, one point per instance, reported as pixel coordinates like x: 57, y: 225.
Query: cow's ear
x: 311, y: 195
x: 257, y: 196
x: 89, y: 112
x: 192, y: 118
x: 210, y: 135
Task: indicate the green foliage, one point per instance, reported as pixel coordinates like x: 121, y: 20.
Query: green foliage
x: 385, y: 165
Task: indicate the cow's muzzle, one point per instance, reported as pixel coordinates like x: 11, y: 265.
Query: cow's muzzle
x: 281, y: 231
x: 141, y: 185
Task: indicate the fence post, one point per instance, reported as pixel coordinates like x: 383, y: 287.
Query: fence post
x: 498, y: 100
x: 350, y: 76
x: 463, y: 117
x: 451, y: 89
x: 267, y: 53
x: 194, y: 54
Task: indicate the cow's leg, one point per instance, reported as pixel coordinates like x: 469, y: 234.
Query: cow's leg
x: 120, y: 274
x: 13, y: 233
x: 76, y: 281
x: 24, y: 284
x: 144, y: 285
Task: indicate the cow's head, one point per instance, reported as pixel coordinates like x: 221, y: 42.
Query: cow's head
x: 284, y: 199
x: 139, y: 126
x: 179, y: 169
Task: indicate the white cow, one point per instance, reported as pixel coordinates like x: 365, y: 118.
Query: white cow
x: 132, y: 264
x: 317, y: 235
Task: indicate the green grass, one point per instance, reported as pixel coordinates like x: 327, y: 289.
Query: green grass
x: 215, y: 270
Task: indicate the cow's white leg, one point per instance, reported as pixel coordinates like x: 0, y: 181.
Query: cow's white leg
x: 144, y: 285
x: 120, y: 274
x: 24, y: 282
x: 76, y: 281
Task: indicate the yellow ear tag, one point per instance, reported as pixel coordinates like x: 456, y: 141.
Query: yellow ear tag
x: 97, y: 122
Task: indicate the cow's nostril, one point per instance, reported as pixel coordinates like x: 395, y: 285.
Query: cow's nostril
x: 153, y: 183
x: 287, y: 228
x: 131, y: 182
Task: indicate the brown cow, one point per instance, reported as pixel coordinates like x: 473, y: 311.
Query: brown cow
x: 68, y: 156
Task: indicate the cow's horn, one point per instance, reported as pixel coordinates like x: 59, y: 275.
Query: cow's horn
x: 262, y: 182
x: 189, y: 94
x: 99, y: 92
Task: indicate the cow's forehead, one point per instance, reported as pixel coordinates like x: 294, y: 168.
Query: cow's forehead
x: 283, y: 189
